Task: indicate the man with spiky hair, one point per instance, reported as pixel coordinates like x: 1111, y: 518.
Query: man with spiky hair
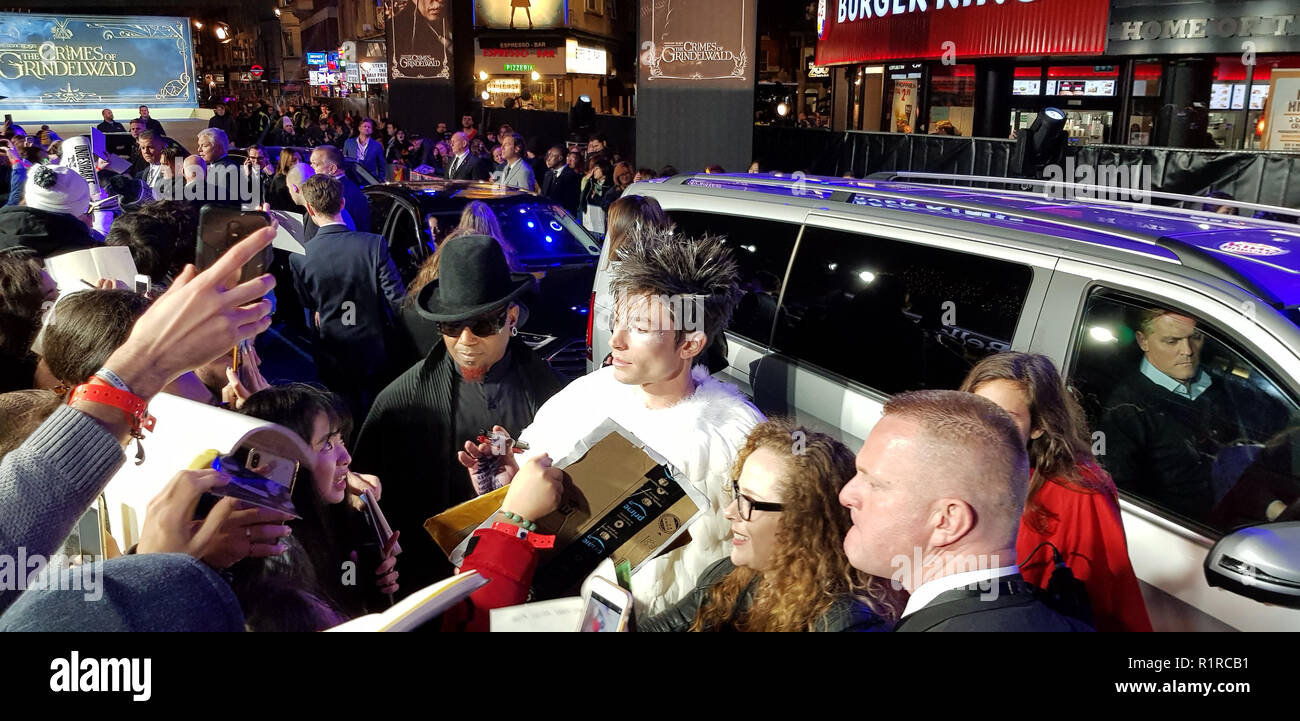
x: 673, y: 295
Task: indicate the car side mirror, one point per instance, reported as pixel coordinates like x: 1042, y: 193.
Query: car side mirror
x: 1260, y: 562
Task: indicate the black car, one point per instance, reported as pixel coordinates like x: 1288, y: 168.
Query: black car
x: 548, y: 241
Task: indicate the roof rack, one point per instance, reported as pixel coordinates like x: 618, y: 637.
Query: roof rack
x: 1182, y: 197
x: 1188, y: 255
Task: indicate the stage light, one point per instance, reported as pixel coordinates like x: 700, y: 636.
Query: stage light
x: 277, y: 12
x: 198, y: 25
x: 482, y: 75
x: 536, y: 76
x: 782, y: 109
x: 486, y: 95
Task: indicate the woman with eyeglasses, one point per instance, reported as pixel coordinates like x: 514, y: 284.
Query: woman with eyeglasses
x: 787, y: 570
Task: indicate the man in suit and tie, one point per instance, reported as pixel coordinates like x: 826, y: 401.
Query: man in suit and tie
x: 465, y: 165
x: 151, y: 146
x: 327, y: 160
x: 560, y: 183
x: 368, y: 152
x: 516, y: 173
x: 936, y: 502
x: 351, y: 289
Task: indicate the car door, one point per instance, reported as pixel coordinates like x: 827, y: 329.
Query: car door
x: 1246, y: 452
x: 871, y: 308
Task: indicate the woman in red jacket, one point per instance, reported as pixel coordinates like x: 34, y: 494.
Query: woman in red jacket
x: 1072, y: 503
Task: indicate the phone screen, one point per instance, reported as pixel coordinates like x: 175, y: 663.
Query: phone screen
x: 601, y: 615
x: 221, y: 227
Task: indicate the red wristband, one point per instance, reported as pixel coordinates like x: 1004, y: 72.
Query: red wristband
x: 134, y: 406
x: 536, y: 539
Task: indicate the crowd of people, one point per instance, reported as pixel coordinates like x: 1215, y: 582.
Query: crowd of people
x: 799, y: 533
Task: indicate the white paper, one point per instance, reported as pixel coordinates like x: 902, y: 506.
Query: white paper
x: 70, y: 269
x: 183, y: 431
x: 289, y: 233
x: 420, y: 607
x: 560, y: 615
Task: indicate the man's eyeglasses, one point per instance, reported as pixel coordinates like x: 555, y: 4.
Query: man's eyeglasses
x: 481, y: 327
x: 746, y: 505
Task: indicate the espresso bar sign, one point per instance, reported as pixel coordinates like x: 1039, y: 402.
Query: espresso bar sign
x: 1163, y: 28
x: 697, y: 42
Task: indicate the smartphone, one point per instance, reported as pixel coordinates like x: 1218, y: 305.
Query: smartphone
x: 221, y: 227
x: 605, y: 607
x: 142, y: 284
x: 255, y: 476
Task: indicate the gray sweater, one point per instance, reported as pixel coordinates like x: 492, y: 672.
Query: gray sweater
x: 49, y: 481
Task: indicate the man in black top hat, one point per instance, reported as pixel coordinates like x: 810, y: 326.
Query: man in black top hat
x: 481, y: 376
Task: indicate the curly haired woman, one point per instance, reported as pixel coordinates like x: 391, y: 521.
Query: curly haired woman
x: 787, y: 570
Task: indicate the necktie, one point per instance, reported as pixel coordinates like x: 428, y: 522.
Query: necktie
x: 455, y: 164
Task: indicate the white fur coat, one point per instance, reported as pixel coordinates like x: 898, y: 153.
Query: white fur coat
x: 700, y: 436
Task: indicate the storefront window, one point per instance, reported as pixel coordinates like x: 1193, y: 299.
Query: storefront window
x: 952, y: 99
x: 1228, y: 93
x: 1145, y: 102
x: 1257, y: 93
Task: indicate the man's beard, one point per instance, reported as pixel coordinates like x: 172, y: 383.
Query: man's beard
x: 473, y: 375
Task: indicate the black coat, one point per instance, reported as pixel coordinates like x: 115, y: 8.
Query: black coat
x: 407, y: 440
x: 562, y: 190
x: 845, y: 614
x: 1015, y: 608
x: 354, y: 201
x: 227, y: 124
x: 44, y: 232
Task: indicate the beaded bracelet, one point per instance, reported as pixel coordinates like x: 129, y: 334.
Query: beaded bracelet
x: 519, y: 520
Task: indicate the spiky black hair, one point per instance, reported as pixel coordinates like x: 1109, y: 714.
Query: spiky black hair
x: 654, y: 261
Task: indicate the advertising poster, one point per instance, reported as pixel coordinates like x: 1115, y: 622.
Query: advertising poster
x: 520, y: 14
x: 419, y: 39
x: 697, y: 43
x: 95, y: 61
x: 902, y: 118
x: 1282, y: 113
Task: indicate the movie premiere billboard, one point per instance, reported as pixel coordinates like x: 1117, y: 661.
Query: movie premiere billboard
x: 95, y: 61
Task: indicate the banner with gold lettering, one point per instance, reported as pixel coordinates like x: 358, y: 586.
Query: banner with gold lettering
x: 95, y: 61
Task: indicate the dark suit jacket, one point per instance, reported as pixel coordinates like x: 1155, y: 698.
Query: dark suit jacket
x: 472, y: 168
x: 373, y: 162
x: 354, y: 201
x: 309, y: 227
x: 154, y: 125
x: 1015, y: 608
x: 349, y: 278
x: 562, y: 189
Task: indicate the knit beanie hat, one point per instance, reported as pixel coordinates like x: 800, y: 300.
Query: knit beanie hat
x: 57, y: 189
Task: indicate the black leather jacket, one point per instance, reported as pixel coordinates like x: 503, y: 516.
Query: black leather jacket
x: 845, y: 614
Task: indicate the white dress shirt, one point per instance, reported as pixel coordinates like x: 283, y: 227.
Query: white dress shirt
x: 931, y: 590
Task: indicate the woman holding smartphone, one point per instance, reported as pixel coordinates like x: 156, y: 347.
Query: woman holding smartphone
x: 333, y: 531
x: 787, y: 570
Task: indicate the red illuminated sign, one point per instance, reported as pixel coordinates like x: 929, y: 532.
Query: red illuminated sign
x: 855, y: 31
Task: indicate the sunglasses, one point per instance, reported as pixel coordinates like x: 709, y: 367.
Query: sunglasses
x: 481, y: 327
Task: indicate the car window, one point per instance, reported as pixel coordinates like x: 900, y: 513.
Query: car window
x: 404, y: 242
x: 762, y: 250
x: 897, y: 316
x: 381, y: 204
x: 543, y: 235
x: 1184, y: 419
